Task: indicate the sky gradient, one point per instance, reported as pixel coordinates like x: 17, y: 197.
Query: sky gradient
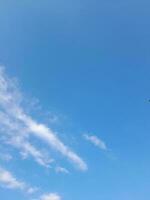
x: 74, y: 100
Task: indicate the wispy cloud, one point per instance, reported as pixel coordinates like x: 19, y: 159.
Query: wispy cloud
x: 8, y: 180
x: 51, y: 196
x: 14, y: 112
x: 61, y: 170
x: 15, y: 134
x: 28, y: 149
x: 96, y: 141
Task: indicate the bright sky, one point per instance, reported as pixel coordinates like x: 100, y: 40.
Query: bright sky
x: 74, y: 100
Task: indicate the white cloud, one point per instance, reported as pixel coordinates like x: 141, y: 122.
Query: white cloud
x: 62, y: 170
x: 47, y: 135
x: 28, y: 149
x: 9, y: 181
x: 16, y: 135
x: 96, y: 141
x: 13, y: 111
x: 51, y: 196
x: 32, y: 190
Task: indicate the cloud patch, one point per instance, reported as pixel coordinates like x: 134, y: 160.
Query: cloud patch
x: 51, y: 196
x: 96, y: 141
x: 8, y: 180
x: 61, y: 170
x: 14, y: 119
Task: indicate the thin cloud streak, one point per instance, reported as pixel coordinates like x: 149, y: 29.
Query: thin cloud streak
x: 8, y: 180
x: 16, y: 136
x: 50, y: 196
x: 61, y: 170
x: 96, y: 141
x: 10, y: 102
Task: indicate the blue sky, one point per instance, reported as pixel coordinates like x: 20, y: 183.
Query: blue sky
x: 74, y: 100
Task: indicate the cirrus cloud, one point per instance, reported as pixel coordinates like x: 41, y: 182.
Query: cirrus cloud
x: 96, y: 141
x: 15, y: 118
x: 51, y: 196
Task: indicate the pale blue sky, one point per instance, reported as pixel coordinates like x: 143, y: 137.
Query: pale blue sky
x: 87, y: 63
